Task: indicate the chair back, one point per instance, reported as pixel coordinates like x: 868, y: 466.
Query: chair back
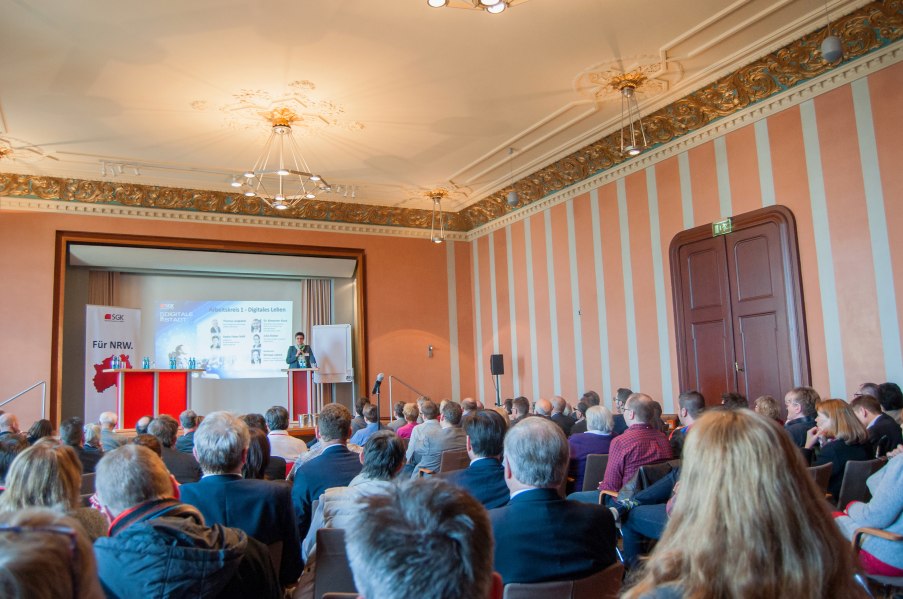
x: 595, y: 471
x: 602, y: 585
x: 333, y: 573
x: 853, y: 487
x: 288, y: 467
x: 821, y: 475
x: 454, y: 459
x: 88, y: 484
x: 650, y: 473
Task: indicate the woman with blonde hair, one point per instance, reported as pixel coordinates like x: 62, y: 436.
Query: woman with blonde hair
x: 768, y: 406
x: 747, y: 521
x: 48, y: 474
x: 841, y: 438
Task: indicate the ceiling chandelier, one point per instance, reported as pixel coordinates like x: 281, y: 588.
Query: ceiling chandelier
x: 633, y: 136
x: 491, y: 6
x: 437, y: 223
x: 281, y: 177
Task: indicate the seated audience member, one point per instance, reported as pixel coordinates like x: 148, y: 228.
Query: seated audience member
x: 9, y: 425
x: 189, y: 421
x: 149, y: 441
x: 48, y: 474
x: 109, y: 440
x: 508, y: 404
x: 336, y: 466
x: 10, y: 447
x: 372, y: 419
x: 45, y: 554
x: 725, y: 509
x: 255, y: 421
x: 891, y: 399
x: 588, y: 399
x: 183, y: 466
x: 282, y: 444
x: 260, y: 508
x: 597, y: 439
x: 840, y: 437
x: 142, y: 424
x: 565, y: 421
x: 539, y: 535
x: 468, y: 405
x: 426, y: 453
x: 520, y: 409
x: 768, y: 406
x: 411, y: 414
x: 733, y: 401
x: 644, y: 517
x: 885, y: 511
x: 399, y: 421
x: 884, y: 433
x: 690, y: 406
x: 92, y: 438
x: 543, y: 408
x: 657, y: 420
x: 159, y: 547
x: 485, y: 477
x: 417, y: 526
x: 501, y: 412
x: 429, y: 426
x: 260, y: 464
x: 358, y: 422
x: 620, y: 403
x: 800, y: 403
x: 579, y: 414
x: 639, y: 445
x: 73, y: 435
x: 40, y: 429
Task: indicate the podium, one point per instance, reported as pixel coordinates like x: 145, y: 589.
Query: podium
x: 299, y: 392
x: 152, y: 392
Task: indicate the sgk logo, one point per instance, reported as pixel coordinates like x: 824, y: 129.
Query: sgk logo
x: 114, y: 317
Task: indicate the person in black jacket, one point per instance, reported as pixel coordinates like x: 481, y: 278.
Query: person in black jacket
x: 159, y: 547
x: 800, y: 403
x: 841, y: 438
x: 485, y: 477
x: 884, y: 432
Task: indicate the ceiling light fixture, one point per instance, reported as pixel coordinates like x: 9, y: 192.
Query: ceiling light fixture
x: 831, y: 47
x: 634, y: 141
x: 281, y: 177
x: 437, y: 224
x: 511, y: 198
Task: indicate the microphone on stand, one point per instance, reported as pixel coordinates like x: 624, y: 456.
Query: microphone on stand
x: 379, y: 380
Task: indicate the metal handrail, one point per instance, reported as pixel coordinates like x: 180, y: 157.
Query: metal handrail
x: 43, y: 385
x: 395, y: 378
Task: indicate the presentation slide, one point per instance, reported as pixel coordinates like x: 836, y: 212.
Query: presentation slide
x: 228, y: 339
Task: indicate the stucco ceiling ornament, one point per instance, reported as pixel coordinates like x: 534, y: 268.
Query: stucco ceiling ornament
x: 598, y: 81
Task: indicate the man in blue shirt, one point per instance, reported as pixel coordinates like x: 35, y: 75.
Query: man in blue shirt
x: 371, y: 418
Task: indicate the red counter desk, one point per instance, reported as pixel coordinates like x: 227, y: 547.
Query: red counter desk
x: 299, y: 392
x: 145, y: 392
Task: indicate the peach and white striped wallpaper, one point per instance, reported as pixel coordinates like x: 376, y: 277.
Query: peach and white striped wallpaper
x: 578, y: 296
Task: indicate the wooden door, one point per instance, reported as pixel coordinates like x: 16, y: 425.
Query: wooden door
x: 738, y: 308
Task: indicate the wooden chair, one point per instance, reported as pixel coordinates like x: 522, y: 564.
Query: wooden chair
x: 333, y: 573
x: 822, y: 476
x: 853, y: 487
x: 454, y: 459
x: 602, y: 585
x: 650, y: 473
x: 595, y: 471
x: 887, y: 582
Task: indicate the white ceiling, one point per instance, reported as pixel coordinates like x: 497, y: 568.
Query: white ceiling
x: 417, y: 97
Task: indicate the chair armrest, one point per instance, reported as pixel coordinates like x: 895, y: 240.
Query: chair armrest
x: 421, y: 472
x: 612, y: 494
x: 875, y: 532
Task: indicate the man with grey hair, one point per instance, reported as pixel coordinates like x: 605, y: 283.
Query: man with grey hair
x: 189, y: 421
x: 427, y: 455
x: 261, y: 508
x: 543, y: 408
x: 565, y: 421
x: 108, y: 439
x: 159, y: 547
x: 182, y: 465
x: 540, y: 536
x: 418, y: 526
x: 282, y: 444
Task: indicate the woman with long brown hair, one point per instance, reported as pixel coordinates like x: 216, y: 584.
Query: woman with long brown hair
x: 841, y: 438
x: 748, y: 521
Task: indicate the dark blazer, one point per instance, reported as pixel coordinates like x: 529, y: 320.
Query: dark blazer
x: 88, y: 458
x: 263, y: 509
x: 185, y: 443
x: 335, y: 467
x: 276, y: 469
x: 182, y: 465
x: 485, y: 480
x: 620, y: 424
x: 885, y: 433
x: 798, y: 428
x: 838, y: 453
x: 540, y: 537
x: 565, y: 422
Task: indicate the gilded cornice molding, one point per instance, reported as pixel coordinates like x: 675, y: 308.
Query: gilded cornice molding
x: 872, y: 27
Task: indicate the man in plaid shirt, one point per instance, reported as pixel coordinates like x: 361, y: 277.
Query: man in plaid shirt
x: 639, y: 445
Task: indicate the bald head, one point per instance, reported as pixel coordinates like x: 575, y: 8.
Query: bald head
x: 543, y: 408
x: 9, y: 423
x: 640, y: 409
x: 558, y: 405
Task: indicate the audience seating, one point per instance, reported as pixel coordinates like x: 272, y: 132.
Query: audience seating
x: 288, y: 467
x: 451, y: 460
x: 603, y: 585
x: 88, y: 484
x: 333, y: 573
x: 595, y: 471
x: 650, y: 473
x: 822, y: 476
x: 888, y: 582
x: 853, y: 487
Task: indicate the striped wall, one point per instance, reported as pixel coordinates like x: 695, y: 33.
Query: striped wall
x: 578, y: 296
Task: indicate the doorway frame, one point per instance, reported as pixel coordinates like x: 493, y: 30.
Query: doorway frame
x: 783, y: 217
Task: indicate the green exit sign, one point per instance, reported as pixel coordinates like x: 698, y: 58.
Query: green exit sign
x: 722, y: 227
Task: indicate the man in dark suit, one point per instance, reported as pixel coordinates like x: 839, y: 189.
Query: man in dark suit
x: 181, y: 465
x: 334, y: 467
x: 800, y: 403
x: 189, y: 421
x: 884, y: 432
x: 559, y: 417
x: 539, y: 535
x: 72, y: 433
x: 485, y: 478
x: 263, y: 509
x: 590, y: 398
